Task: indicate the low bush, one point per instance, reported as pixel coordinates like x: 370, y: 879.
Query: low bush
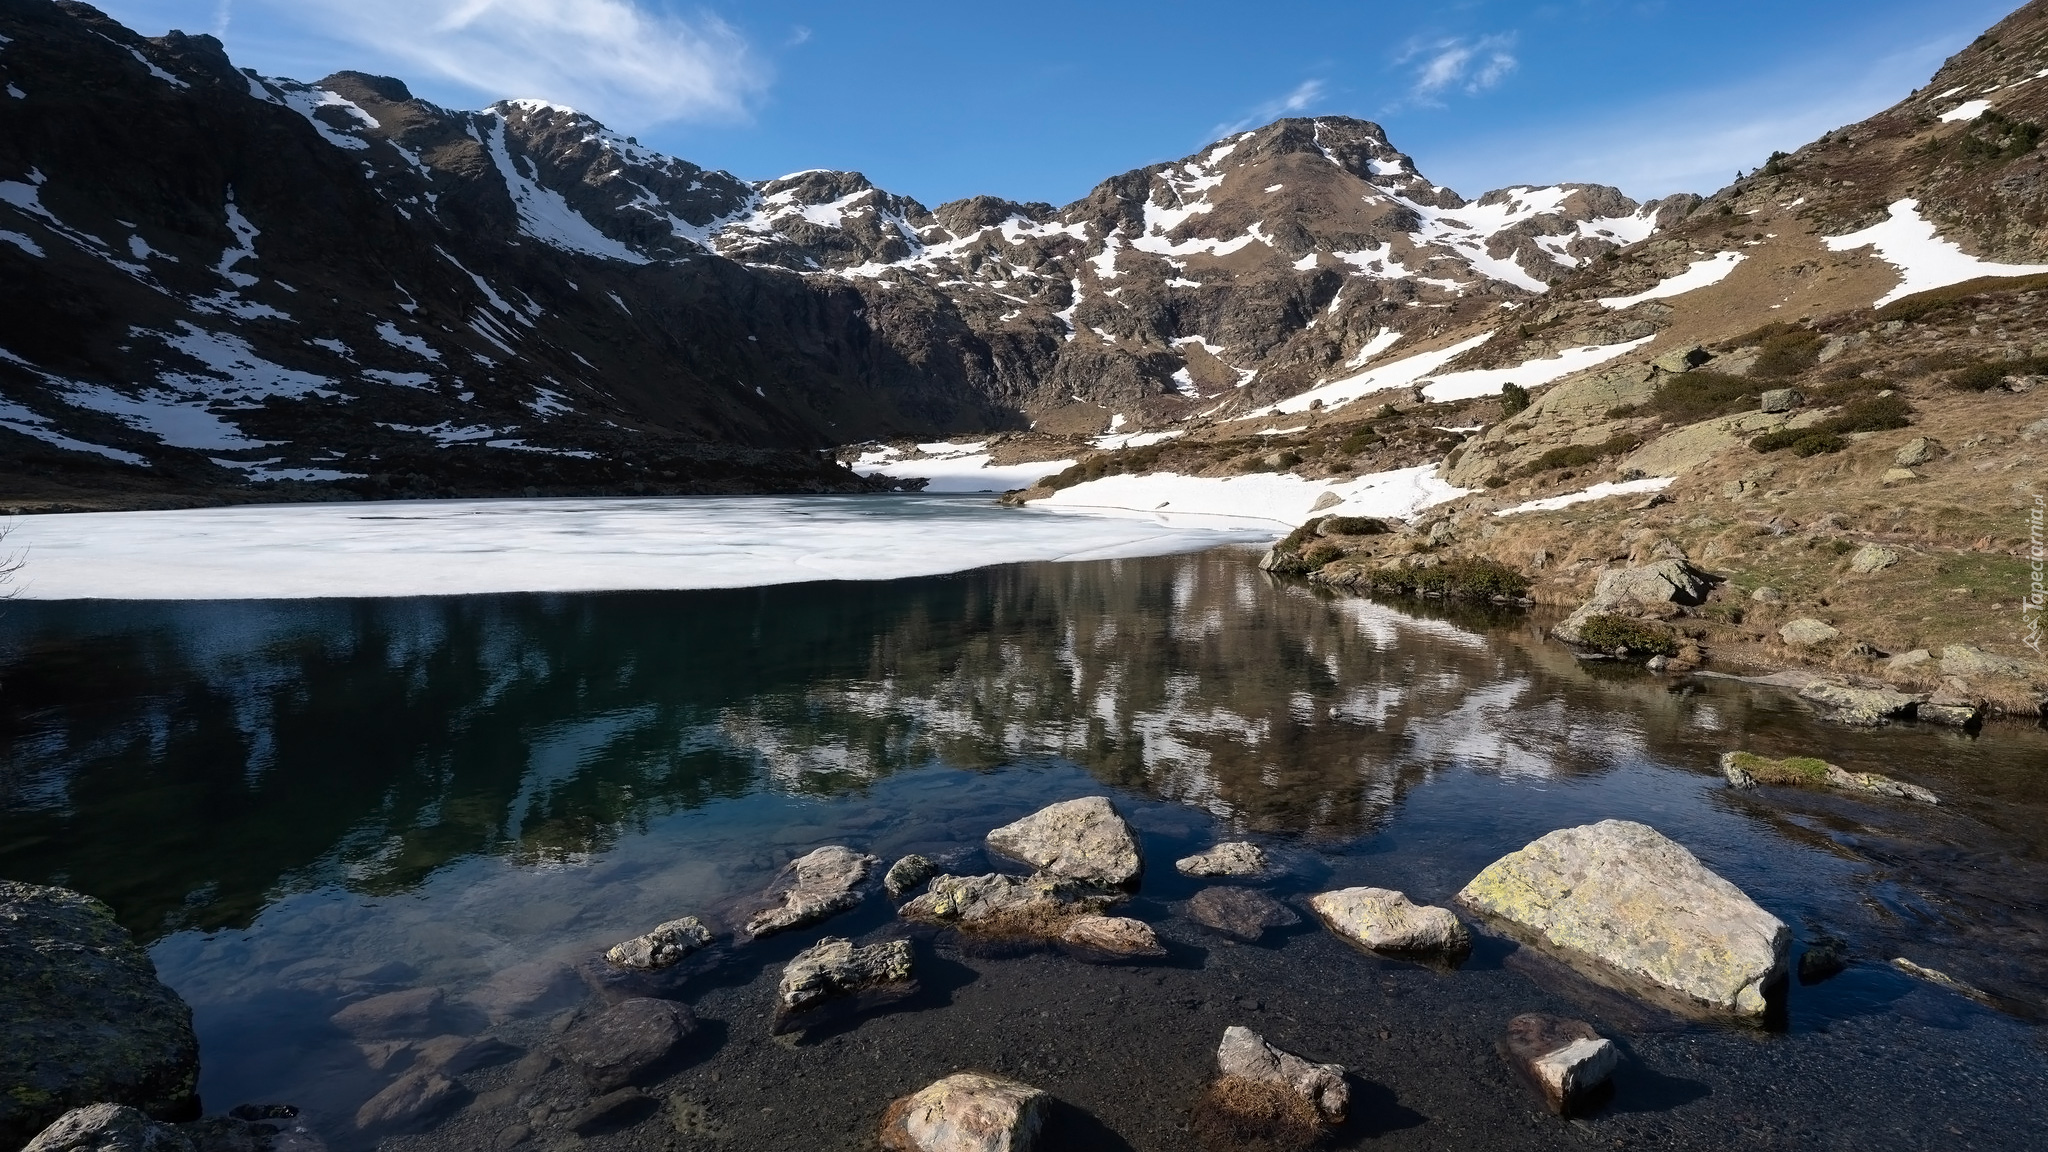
x: 1359, y: 440
x: 1865, y: 414
x: 1637, y: 637
x: 1464, y: 578
x: 1984, y: 375
x: 1579, y: 455
x: 1802, y: 441
x: 1355, y: 526
x: 1514, y: 399
x: 1699, y: 395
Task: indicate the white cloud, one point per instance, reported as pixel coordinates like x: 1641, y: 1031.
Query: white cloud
x: 1473, y: 66
x: 1305, y: 94
x: 618, y: 60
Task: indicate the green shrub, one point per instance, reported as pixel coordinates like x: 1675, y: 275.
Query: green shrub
x: 1359, y: 440
x: 1579, y: 455
x: 1787, y: 353
x: 1356, y: 526
x: 1792, y: 770
x: 1691, y: 397
x: 1873, y: 414
x: 1463, y: 578
x: 1802, y: 441
x: 1637, y: 637
x: 1985, y: 375
x: 1322, y: 554
x: 1514, y: 399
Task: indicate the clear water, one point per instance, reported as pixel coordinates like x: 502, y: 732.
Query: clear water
x: 298, y: 803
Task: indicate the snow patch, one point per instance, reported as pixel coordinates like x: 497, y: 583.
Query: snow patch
x: 546, y: 216
x: 1968, y: 110
x: 1697, y: 275
x: 1398, y: 374
x: 19, y: 419
x: 1925, y: 261
x: 1278, y: 498
x: 1529, y: 374
x: 389, y: 333
x: 1598, y: 491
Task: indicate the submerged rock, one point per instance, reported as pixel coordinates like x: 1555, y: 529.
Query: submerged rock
x: 1645, y: 909
x: 905, y: 875
x: 412, y: 1012
x: 1083, y: 839
x: 1747, y: 770
x: 666, y: 945
x: 620, y: 1044
x: 1112, y: 936
x: 529, y: 989
x: 613, y: 1110
x: 812, y: 887
x: 1245, y: 1055
x: 1565, y: 1061
x: 1231, y: 858
x: 1383, y: 920
x: 1824, y: 957
x: 108, y: 1128
x: 834, y: 976
x: 83, y: 1018
x: 1240, y: 913
x: 415, y: 1096
x: 1037, y: 906
x: 967, y: 1112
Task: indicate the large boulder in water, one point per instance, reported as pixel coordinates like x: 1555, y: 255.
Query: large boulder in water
x: 1035, y: 907
x: 83, y: 1018
x: 1081, y: 839
x: 1645, y: 910
x: 812, y: 887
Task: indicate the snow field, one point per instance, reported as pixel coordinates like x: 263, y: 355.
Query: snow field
x: 1925, y: 261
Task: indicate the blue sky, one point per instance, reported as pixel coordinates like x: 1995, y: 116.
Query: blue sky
x: 1040, y: 101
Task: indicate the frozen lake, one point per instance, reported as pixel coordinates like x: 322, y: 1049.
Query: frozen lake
x: 452, y: 547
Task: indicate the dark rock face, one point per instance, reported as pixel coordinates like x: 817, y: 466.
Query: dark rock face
x: 231, y: 286
x: 83, y: 1018
x: 617, y: 1045
x: 1239, y: 913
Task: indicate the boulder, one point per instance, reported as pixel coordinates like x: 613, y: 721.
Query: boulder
x: 1245, y: 1055
x: 812, y: 887
x: 1240, y: 913
x: 83, y: 1018
x: 1966, y: 661
x: 529, y: 989
x: 663, y: 947
x: 966, y: 1112
x: 613, y: 1110
x: 1035, y: 906
x: 1747, y: 770
x: 1872, y: 558
x: 1897, y: 476
x: 1863, y: 707
x: 1807, y: 632
x: 1081, y: 839
x: 1824, y: 957
x: 1231, y: 858
x: 1112, y: 936
x: 1648, y: 589
x: 1907, y: 661
x: 1565, y: 1061
x: 618, y: 1045
x: 834, y: 976
x: 416, y: 1095
x: 1767, y: 595
x: 1781, y: 399
x: 1644, y: 910
x: 1682, y: 359
x: 411, y: 1012
x: 1953, y: 705
x: 1382, y: 920
x: 1917, y: 451
x: 108, y: 1128
x: 905, y: 875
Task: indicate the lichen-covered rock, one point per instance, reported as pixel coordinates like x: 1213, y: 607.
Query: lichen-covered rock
x: 1953, y: 705
x: 1231, y: 858
x: 1083, y: 839
x: 620, y: 1044
x: 967, y: 1112
x: 834, y: 975
x: 1244, y: 1054
x: 1917, y: 451
x: 1240, y: 913
x: 1966, y: 661
x: 666, y: 945
x: 1863, y: 707
x: 1806, y: 632
x: 1037, y: 906
x: 906, y: 874
x: 1650, y: 588
x: 108, y: 1128
x: 1873, y: 558
x: 1383, y: 920
x: 1747, y: 770
x: 1645, y: 909
x: 1565, y: 1061
x: 83, y: 1018
x: 1112, y: 936
x: 812, y: 887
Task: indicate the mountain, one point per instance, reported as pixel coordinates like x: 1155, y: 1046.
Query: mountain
x: 221, y: 286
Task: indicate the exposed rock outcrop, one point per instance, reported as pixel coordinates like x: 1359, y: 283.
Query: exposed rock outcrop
x: 820, y: 884
x: 662, y: 947
x: 835, y: 976
x: 1383, y: 920
x: 1084, y: 839
x: 967, y: 1112
x: 1653, y: 590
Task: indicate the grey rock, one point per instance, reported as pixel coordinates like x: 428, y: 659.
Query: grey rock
x: 108, y: 1128
x: 1382, y: 920
x: 416, y: 1095
x: 614, y: 1109
x: 1239, y: 912
x: 1563, y: 1060
x: 1632, y: 591
x: 1878, y: 785
x: 411, y: 1012
x: 812, y: 887
x: 1966, y: 661
x: 1782, y: 399
x: 1806, y: 632
x: 836, y: 974
x: 1231, y: 858
x: 1035, y: 906
x: 905, y: 875
x: 83, y: 1018
x: 1767, y: 595
x: 1118, y: 936
x: 967, y: 1112
x: 1909, y: 660
x: 618, y: 1045
x: 1244, y: 1054
x: 511, y: 1136
x: 667, y: 944
x: 1682, y: 359
x: 1873, y: 558
x: 1649, y: 915
x: 1863, y: 707
x: 1084, y: 839
x: 2038, y: 430
x: 1953, y: 705
x: 1917, y: 451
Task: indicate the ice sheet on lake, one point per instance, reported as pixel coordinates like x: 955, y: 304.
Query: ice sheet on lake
x: 957, y: 467
x: 447, y: 547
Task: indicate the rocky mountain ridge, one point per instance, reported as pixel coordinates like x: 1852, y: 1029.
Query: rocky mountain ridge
x: 224, y: 286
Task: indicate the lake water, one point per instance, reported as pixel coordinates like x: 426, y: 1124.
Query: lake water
x: 300, y: 803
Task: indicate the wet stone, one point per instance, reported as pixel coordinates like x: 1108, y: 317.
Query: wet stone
x: 1565, y: 1061
x: 665, y: 945
x: 108, y: 1128
x: 415, y: 1096
x: 611, y: 1111
x: 1246, y: 1055
x: 618, y: 1045
x: 813, y: 887
x: 412, y: 1012
x: 1825, y: 956
x: 1083, y: 839
x: 967, y: 1112
x: 907, y: 875
x: 1232, y: 858
x: 529, y: 989
x: 1115, y: 936
x: 834, y: 976
x: 1240, y: 913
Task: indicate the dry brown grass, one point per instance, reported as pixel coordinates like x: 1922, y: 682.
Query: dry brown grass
x: 1239, y: 1115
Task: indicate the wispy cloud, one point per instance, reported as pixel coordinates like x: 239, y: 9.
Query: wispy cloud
x: 1305, y: 95
x: 621, y: 61
x: 1472, y: 66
